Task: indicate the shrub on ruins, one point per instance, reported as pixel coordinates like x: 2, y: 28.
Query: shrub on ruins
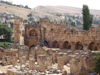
x: 87, y: 18
x: 97, y: 63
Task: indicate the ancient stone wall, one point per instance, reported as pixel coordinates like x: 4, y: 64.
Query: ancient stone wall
x: 56, y: 35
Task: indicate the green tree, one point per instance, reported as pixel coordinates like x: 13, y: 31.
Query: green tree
x: 29, y: 15
x: 73, y: 17
x: 11, y: 24
x: 25, y: 21
x: 85, y: 12
x: 97, y: 63
x: 87, y: 18
x: 31, y: 19
x: 26, y: 6
x: 73, y: 23
x: 58, y: 14
x: 6, y: 32
x: 90, y: 20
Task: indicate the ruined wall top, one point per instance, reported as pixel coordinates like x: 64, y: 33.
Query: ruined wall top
x: 17, y: 21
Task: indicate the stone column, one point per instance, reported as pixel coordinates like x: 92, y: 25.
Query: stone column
x: 42, y: 61
x: 73, y: 46
x: 8, y: 60
x: 60, y: 44
x: 31, y: 56
x: 74, y: 66
x: 85, y: 48
x: 49, y: 60
x: 14, y: 61
x: 98, y: 46
x: 83, y: 65
x: 50, y: 44
x: 24, y: 60
x: 54, y: 57
x: 60, y: 60
x: 31, y: 64
x: 65, y: 57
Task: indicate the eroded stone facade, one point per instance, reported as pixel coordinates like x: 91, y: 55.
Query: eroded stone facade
x: 56, y: 35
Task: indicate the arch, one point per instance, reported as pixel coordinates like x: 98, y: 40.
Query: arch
x: 32, y: 46
x: 79, y: 46
x: 46, y: 43
x: 92, y: 46
x: 33, y: 32
x: 66, y: 45
x: 55, y: 44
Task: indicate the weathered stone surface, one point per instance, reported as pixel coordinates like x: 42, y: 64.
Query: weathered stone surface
x: 42, y: 62
x: 31, y: 64
x: 64, y: 72
x: 60, y: 60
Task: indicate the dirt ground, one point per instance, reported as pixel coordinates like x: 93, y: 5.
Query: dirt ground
x: 3, y: 69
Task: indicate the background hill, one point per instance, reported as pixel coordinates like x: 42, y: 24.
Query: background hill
x: 22, y: 12
x: 65, y: 9
x: 54, y: 13
x: 44, y: 11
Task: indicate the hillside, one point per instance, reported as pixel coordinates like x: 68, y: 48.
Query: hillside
x: 54, y: 13
x: 44, y: 11
x: 65, y: 9
x: 23, y: 12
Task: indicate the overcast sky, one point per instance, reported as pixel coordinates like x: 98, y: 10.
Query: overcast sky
x: 93, y: 4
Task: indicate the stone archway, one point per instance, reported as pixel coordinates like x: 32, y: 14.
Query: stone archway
x: 33, y: 33
x: 55, y: 44
x: 46, y: 43
x: 78, y: 46
x: 32, y: 52
x: 92, y: 46
x: 32, y: 46
x: 66, y: 45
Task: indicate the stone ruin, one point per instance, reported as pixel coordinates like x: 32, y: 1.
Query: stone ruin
x: 47, y: 61
x: 42, y: 49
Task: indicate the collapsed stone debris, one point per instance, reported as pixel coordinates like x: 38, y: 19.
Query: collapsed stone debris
x: 79, y: 62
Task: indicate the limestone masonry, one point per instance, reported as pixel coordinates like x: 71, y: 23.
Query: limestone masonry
x: 45, y: 48
x: 56, y: 35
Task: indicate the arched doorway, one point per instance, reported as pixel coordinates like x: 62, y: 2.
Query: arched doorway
x: 31, y: 47
x: 92, y: 46
x: 55, y: 44
x: 66, y: 45
x: 32, y: 52
x: 33, y: 32
x: 46, y: 43
x: 79, y: 46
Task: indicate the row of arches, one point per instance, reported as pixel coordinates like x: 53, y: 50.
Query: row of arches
x: 78, y: 45
x: 66, y: 44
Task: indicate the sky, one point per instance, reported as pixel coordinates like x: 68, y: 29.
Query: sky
x: 93, y: 4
